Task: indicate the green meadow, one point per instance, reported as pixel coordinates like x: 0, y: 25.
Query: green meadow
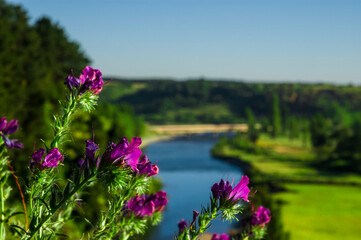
x: 315, y: 205
x: 312, y: 211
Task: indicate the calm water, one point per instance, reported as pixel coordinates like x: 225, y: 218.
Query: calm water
x: 188, y: 171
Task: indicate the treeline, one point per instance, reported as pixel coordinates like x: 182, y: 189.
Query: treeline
x: 34, y: 61
x: 154, y: 98
x: 335, y: 140
x: 336, y: 144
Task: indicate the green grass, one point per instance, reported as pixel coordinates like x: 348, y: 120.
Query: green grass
x: 322, y: 211
x: 284, y: 141
x: 288, y: 161
x: 329, y: 208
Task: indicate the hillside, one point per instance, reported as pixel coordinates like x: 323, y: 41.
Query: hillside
x: 195, y: 101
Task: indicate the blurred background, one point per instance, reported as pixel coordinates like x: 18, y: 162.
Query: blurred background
x: 216, y: 89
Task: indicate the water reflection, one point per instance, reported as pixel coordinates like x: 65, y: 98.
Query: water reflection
x: 188, y: 171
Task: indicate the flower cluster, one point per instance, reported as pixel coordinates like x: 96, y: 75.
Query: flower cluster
x: 223, y: 236
x: 144, y: 166
x: 90, y: 79
x: 7, y: 129
x: 128, y: 154
x: 52, y: 159
x: 125, y: 172
x: 146, y: 204
x: 123, y: 153
x: 223, y: 190
x: 261, y: 217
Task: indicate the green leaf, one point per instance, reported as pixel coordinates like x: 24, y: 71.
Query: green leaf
x: 14, y: 214
x: 17, y: 227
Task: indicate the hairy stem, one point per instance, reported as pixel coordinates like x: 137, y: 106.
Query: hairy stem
x: 62, y: 123
x: 111, y: 216
x: 2, y: 229
x: 59, y: 205
x: 210, y: 215
x: 2, y: 193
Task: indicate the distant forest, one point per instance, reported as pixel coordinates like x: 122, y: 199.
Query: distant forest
x: 195, y: 101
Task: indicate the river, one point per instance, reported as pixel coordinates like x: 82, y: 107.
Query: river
x: 188, y: 171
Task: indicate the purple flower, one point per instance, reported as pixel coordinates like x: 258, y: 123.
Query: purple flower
x: 144, y: 166
x: 12, y: 143
x: 7, y: 129
x: 195, y: 215
x: 10, y: 128
x: 146, y: 205
x: 81, y: 162
x: 53, y: 158
x: 90, y: 150
x: 261, y: 216
x: 241, y: 190
x: 182, y: 225
x: 223, y: 236
x: 224, y: 190
x: 140, y: 206
x: 71, y: 82
x: 221, y: 189
x: 91, y: 79
x: 36, y: 158
x: 124, y: 152
x: 160, y: 200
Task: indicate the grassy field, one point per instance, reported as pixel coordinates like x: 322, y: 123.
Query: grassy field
x: 288, y: 161
x: 328, y: 208
x: 322, y: 211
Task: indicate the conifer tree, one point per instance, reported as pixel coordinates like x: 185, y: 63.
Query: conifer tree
x: 276, y: 117
x: 251, y: 122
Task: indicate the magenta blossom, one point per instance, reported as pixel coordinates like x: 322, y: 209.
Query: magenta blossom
x: 140, y: 206
x: 146, y: 205
x: 123, y: 153
x: 36, y: 158
x: 223, y: 236
x: 91, y: 79
x: 182, y: 225
x: 241, y: 190
x: 7, y: 129
x: 261, y: 216
x: 160, y: 200
x: 224, y: 190
x: 144, y: 166
x: 52, y: 159
x: 221, y: 189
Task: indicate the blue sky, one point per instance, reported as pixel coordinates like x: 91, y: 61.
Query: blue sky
x: 269, y: 40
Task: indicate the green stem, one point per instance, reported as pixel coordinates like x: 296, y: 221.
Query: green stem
x: 68, y: 110
x: 2, y: 184
x: 211, y: 216
x: 2, y: 229
x: 111, y: 215
x: 63, y: 201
